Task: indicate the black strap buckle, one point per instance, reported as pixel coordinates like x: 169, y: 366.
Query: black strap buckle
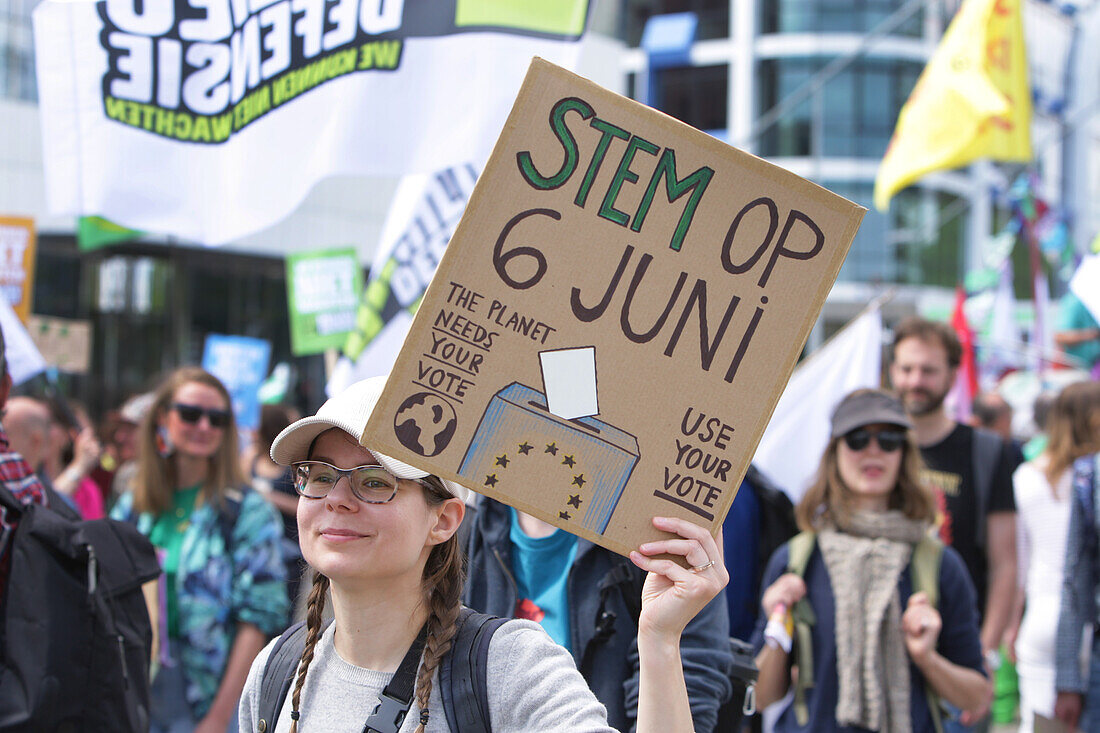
x: 388, y: 715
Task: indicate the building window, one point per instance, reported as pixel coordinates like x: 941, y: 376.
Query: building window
x: 17, y: 80
x: 834, y: 16
x: 714, y: 17
x: 693, y: 94
x: 856, y: 110
x: 920, y: 241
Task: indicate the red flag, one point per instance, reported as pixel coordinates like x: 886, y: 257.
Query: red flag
x: 966, y: 381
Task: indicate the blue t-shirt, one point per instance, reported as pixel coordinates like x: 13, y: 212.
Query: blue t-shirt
x: 541, y: 566
x: 958, y: 642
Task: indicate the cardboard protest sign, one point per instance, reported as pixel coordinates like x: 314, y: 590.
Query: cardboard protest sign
x: 614, y: 319
x: 17, y: 249
x: 64, y: 343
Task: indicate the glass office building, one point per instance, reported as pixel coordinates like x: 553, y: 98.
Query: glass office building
x: 841, y: 69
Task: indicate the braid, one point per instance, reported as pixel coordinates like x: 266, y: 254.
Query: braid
x: 444, y: 578
x: 315, y: 608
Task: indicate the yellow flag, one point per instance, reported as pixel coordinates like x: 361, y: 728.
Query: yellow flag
x: 972, y: 101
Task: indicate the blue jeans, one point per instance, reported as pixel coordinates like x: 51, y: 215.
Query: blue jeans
x: 169, y: 709
x: 951, y: 722
x: 1090, y: 715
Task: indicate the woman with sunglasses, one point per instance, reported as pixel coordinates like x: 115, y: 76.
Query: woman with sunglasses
x: 878, y: 648
x: 380, y: 535
x: 223, y: 590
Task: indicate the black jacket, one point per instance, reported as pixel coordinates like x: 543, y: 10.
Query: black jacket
x: 605, y: 598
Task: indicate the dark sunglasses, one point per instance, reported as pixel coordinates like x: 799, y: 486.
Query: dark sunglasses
x: 191, y: 414
x: 888, y: 440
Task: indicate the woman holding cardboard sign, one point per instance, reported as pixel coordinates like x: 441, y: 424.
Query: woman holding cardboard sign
x: 883, y: 618
x: 381, y: 536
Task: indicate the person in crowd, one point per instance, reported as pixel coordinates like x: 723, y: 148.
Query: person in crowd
x: 73, y: 454
x: 223, y: 589
x: 1077, y: 703
x: 1078, y: 334
x: 970, y: 470
x: 383, y: 542
x: 276, y: 484
x: 16, y: 475
x: 1040, y: 413
x: 27, y: 422
x: 1043, y: 491
x: 118, y: 436
x: 588, y: 600
x: 877, y: 646
x: 991, y: 411
x: 126, y: 439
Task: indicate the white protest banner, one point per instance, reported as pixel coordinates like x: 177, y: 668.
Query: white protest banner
x: 212, y: 119
x: 682, y: 275
x: 791, y: 448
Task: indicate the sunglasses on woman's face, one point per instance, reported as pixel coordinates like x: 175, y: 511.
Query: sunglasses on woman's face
x: 191, y: 414
x: 888, y: 440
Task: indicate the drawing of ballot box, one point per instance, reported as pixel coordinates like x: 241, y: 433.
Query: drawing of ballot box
x: 585, y: 460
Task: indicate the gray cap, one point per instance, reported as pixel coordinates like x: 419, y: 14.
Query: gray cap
x: 868, y: 407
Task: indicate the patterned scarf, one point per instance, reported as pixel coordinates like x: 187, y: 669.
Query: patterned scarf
x: 865, y: 558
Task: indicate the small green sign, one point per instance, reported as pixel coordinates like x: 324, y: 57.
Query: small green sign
x: 322, y: 292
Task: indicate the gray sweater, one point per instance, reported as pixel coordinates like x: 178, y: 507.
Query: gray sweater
x: 533, y: 686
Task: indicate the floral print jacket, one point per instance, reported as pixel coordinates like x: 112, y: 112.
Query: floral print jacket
x: 218, y: 587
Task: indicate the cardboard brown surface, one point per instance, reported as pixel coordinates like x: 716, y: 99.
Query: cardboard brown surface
x: 63, y: 343
x: 602, y: 228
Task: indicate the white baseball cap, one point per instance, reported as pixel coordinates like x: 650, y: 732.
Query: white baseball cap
x: 348, y: 411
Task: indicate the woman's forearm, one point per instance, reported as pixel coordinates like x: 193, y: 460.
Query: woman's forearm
x: 774, y: 675
x: 963, y: 687
x: 662, y: 693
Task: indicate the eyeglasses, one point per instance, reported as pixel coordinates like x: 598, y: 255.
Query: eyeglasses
x: 372, y: 484
x: 888, y: 440
x: 192, y: 414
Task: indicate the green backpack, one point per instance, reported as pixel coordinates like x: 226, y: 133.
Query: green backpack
x: 925, y: 570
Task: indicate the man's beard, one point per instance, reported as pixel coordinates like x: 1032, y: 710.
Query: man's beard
x: 926, y: 404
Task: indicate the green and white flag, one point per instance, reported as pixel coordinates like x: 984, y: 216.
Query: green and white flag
x: 212, y: 119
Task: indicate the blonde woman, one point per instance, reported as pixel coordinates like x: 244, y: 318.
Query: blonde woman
x: 877, y: 646
x: 1043, y: 492
x: 381, y: 536
x: 223, y: 590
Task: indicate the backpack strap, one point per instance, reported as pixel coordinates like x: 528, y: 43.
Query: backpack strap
x: 924, y: 570
x: 463, y: 675
x: 799, y: 550
x: 279, y: 673
x: 986, y: 455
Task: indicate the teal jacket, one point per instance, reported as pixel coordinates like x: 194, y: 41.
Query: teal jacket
x: 218, y: 587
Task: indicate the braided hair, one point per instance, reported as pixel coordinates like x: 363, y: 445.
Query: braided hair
x: 444, y: 576
x: 315, y: 608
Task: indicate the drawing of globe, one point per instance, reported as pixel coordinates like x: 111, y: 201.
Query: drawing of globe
x: 425, y: 424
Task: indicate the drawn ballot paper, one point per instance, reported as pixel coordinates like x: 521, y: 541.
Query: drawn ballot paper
x: 587, y: 460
